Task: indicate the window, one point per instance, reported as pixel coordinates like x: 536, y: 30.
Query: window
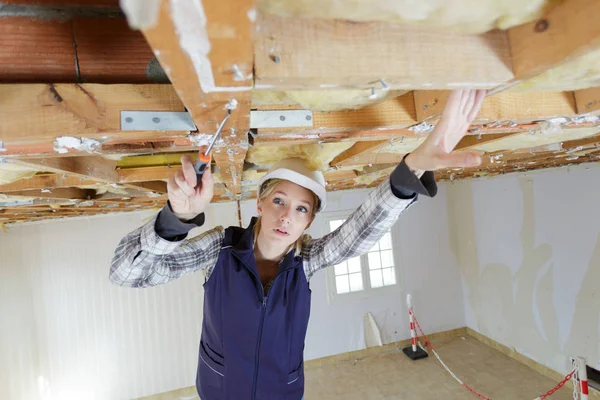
x: 373, y: 270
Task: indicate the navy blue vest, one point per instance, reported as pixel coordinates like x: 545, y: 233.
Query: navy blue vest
x: 252, y: 345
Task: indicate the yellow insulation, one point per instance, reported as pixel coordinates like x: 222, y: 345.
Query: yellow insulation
x: 317, y: 156
x: 472, y: 16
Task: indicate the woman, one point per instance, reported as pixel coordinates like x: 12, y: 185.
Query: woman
x: 256, y: 293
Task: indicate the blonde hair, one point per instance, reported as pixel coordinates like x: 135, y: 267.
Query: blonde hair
x: 265, y: 191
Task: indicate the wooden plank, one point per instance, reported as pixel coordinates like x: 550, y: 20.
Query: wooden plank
x: 208, y: 58
x: 303, y: 53
x: 33, y: 50
x: 588, y: 101
x: 516, y: 107
x: 39, y: 182
x: 356, y: 150
x: 470, y: 141
x: 558, y: 49
x: 41, y: 113
x: 64, y: 193
x: 155, y: 186
x: 93, y: 167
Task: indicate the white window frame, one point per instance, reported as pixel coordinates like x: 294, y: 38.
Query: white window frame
x: 367, y: 292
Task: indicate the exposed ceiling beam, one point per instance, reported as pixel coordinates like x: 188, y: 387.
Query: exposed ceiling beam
x: 588, y: 101
x: 39, y: 182
x: 211, y: 71
x: 517, y: 107
x: 304, y: 53
x: 62, y: 193
x: 555, y: 50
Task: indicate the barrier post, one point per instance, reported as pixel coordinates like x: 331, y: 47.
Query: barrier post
x: 413, y: 351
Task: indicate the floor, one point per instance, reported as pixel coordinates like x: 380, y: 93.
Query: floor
x: 395, y: 376
x: 392, y: 375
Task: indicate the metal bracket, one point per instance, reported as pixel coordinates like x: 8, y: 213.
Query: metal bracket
x: 280, y: 119
x: 182, y: 121
x: 156, y: 121
x: 2, y: 148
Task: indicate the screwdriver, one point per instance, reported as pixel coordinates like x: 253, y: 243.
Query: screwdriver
x: 204, y: 158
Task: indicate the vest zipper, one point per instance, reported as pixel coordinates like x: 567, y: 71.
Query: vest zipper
x: 259, y: 340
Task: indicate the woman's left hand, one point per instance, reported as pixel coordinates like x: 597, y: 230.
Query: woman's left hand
x: 436, y: 151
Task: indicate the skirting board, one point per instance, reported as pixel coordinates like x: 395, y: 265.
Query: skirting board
x: 542, y: 369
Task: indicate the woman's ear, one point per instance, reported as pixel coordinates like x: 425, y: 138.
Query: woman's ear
x: 259, y: 206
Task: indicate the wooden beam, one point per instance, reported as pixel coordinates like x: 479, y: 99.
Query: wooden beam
x: 41, y: 113
x: 93, y: 167
x: 303, y: 53
x: 504, y: 106
x: 155, y: 186
x: 558, y: 49
x: 206, y: 50
x: 64, y: 193
x: 588, y: 101
x: 356, y: 150
x: 470, y: 141
x: 39, y: 182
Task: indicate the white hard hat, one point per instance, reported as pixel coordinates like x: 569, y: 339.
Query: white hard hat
x: 295, y: 170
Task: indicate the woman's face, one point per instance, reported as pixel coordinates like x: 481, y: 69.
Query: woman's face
x: 285, y: 213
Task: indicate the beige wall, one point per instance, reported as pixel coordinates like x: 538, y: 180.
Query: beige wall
x: 529, y: 252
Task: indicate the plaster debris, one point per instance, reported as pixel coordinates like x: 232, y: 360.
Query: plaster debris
x: 423, y: 127
x: 232, y: 105
x: 575, y: 150
x: 141, y: 14
x: 581, y: 119
x: 64, y: 143
x: 46, y: 191
x: 203, y: 139
x: 88, y: 203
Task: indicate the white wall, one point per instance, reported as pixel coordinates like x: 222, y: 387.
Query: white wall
x: 529, y: 253
x: 62, y: 320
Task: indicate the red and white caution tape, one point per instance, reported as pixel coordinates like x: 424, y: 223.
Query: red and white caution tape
x: 481, y: 396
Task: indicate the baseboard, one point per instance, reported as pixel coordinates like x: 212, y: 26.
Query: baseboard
x: 375, y: 350
x: 512, y: 353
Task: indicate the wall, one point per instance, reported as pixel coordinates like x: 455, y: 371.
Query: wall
x: 529, y: 253
x: 63, y: 325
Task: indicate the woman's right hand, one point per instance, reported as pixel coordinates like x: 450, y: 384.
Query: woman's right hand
x: 187, y: 200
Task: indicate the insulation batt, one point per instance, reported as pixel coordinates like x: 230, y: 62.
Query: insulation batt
x: 470, y: 16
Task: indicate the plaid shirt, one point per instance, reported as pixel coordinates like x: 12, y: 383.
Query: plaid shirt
x: 143, y: 258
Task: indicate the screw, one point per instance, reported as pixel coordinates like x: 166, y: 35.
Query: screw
x: 129, y: 120
x: 308, y: 117
x: 541, y: 25
x: 282, y: 118
x: 275, y: 58
x: 425, y: 107
x: 156, y: 120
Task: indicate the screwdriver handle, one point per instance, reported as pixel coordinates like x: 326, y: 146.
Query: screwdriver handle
x: 200, y: 166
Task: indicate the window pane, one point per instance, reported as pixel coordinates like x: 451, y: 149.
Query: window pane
x: 386, y: 241
x: 387, y: 259
x: 389, y: 278
x: 341, y: 284
x: 374, y: 260
x: 356, y: 282
x: 333, y: 225
x: 341, y: 269
x: 354, y: 265
x: 376, y: 279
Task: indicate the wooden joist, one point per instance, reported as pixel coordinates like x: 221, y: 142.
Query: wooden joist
x: 517, y: 107
x: 559, y: 49
x: 303, y: 53
x: 588, y: 101
x: 206, y: 50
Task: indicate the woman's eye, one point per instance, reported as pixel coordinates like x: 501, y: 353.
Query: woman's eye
x: 277, y: 200
x: 303, y: 209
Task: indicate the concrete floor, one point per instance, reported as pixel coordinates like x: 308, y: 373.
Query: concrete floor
x: 394, y: 376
